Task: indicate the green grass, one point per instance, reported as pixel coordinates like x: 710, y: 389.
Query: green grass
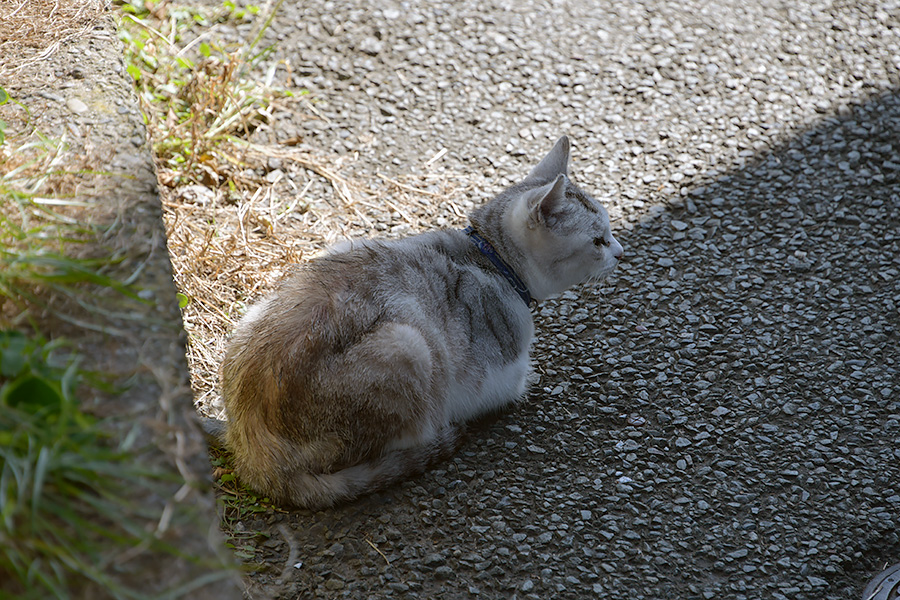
x: 70, y: 523
x: 64, y: 520
x: 49, y: 255
x: 238, y: 503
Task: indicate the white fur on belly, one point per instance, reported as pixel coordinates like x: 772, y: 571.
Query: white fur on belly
x: 498, y: 387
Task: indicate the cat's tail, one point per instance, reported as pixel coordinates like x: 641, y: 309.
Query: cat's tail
x: 322, y: 490
x: 273, y: 466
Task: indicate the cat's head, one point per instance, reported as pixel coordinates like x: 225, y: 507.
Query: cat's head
x: 563, y: 232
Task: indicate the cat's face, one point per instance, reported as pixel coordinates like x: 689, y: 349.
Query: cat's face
x: 578, y: 229
x: 564, y: 230
x: 571, y: 236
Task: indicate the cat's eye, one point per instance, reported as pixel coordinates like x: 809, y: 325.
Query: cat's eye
x: 599, y: 241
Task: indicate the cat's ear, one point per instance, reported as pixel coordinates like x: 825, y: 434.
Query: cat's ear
x: 555, y: 163
x: 543, y: 202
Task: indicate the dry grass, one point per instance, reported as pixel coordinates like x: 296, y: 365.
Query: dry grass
x: 51, y: 238
x: 227, y: 253
x: 235, y: 224
x: 33, y: 30
x: 32, y: 166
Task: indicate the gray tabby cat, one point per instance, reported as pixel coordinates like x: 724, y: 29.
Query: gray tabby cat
x: 362, y: 368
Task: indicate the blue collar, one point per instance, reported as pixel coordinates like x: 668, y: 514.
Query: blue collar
x: 485, y: 247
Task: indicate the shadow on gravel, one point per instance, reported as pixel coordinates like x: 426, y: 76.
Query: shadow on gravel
x: 726, y: 423
x: 774, y: 299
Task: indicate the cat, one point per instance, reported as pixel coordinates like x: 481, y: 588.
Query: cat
x: 362, y: 369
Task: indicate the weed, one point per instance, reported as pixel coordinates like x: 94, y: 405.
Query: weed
x: 238, y: 504
x: 197, y: 96
x: 64, y: 520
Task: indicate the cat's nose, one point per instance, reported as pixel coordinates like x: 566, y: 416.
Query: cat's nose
x: 617, y: 250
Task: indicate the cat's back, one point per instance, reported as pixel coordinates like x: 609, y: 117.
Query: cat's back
x: 345, y: 291
x: 437, y: 282
x: 365, y: 279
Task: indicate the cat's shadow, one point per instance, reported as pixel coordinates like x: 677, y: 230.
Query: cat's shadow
x: 483, y: 424
x: 483, y: 427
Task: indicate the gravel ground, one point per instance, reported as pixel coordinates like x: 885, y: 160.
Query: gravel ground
x: 722, y: 419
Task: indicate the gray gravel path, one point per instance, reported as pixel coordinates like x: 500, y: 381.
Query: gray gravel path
x: 722, y: 419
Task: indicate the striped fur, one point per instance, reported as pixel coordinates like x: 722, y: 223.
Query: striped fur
x: 361, y: 369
